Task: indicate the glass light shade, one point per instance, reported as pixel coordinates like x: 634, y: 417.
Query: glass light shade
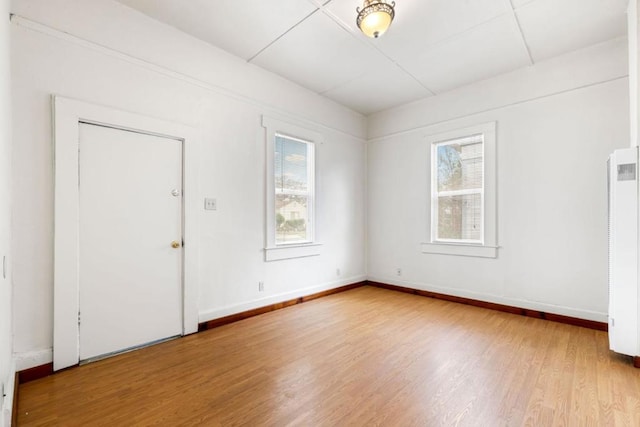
x: 375, y: 17
x: 375, y: 24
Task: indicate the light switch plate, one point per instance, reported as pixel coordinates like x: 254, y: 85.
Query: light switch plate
x: 210, y: 204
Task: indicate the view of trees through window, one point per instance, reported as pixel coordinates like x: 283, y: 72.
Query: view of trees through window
x: 459, y: 189
x: 292, y: 189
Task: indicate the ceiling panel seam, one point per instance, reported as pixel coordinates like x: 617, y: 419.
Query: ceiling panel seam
x: 369, y: 43
x: 512, y: 11
x: 281, y: 35
x: 465, y: 31
x: 432, y: 92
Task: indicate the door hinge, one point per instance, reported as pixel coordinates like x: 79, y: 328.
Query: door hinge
x: 78, y: 318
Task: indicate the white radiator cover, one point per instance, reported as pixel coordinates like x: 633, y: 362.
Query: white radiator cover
x: 624, y: 298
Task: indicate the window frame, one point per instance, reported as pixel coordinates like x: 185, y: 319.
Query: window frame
x: 311, y: 246
x: 486, y: 247
x: 309, y: 193
x: 435, y: 194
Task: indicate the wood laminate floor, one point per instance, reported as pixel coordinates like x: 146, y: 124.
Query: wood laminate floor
x: 364, y: 357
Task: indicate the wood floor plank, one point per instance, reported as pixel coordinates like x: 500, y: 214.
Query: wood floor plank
x: 368, y: 356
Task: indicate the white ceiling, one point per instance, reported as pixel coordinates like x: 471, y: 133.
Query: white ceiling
x: 432, y: 46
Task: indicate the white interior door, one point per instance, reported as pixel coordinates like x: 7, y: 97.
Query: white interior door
x: 130, y: 213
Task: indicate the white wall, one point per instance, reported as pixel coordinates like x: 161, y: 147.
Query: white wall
x: 556, y: 124
x: 182, y: 80
x: 6, y: 338
x: 632, y: 36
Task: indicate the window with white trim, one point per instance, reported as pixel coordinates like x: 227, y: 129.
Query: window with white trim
x: 293, y: 178
x: 291, y: 230
x: 457, y: 185
x: 462, y: 195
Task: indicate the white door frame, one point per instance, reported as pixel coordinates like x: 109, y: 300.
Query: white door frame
x: 68, y: 113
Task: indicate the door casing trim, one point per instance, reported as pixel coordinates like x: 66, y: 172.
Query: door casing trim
x: 67, y: 115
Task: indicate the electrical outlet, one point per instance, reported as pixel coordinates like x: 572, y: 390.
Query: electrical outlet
x: 338, y: 272
x: 398, y: 272
x: 210, y: 204
x: 260, y: 286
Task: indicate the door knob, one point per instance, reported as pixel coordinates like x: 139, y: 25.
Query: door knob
x: 175, y: 245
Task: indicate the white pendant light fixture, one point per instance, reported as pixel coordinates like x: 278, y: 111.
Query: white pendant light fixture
x: 375, y: 17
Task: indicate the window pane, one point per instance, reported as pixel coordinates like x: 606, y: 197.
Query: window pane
x: 459, y: 166
x: 290, y: 164
x: 291, y: 218
x: 460, y: 217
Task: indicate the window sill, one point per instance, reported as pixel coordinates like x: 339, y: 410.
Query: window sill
x: 292, y: 251
x: 460, y: 249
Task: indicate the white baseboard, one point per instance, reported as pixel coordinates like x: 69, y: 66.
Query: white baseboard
x: 6, y: 410
x: 228, y: 310
x: 31, y: 359
x: 514, y: 302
